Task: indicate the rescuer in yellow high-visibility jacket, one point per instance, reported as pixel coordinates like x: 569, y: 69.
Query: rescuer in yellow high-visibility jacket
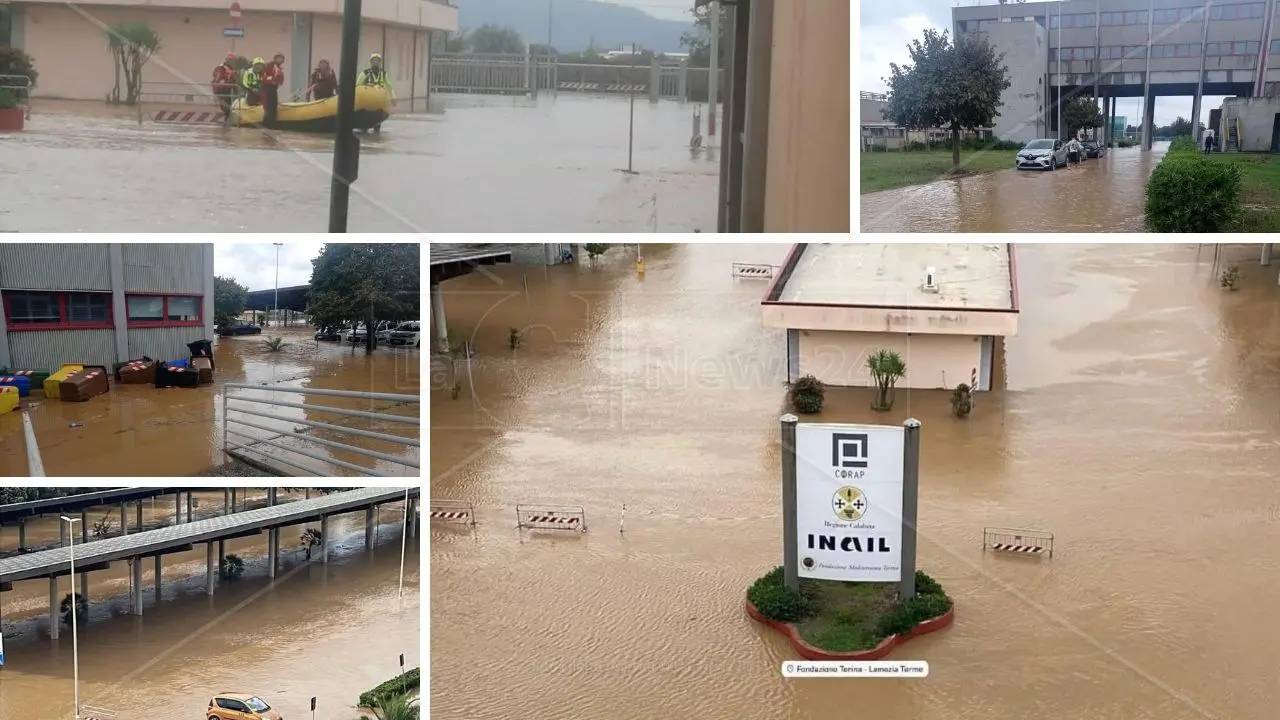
x: 376, y: 76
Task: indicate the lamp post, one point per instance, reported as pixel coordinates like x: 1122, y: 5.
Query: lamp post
x: 75, y: 639
x: 277, y: 300
x: 404, y: 541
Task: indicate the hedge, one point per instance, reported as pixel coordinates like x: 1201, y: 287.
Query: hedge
x: 398, y: 685
x: 775, y: 600
x: 1188, y: 193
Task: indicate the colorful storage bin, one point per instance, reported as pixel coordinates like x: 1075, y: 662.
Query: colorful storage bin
x: 51, y: 383
x: 22, y: 382
x: 8, y: 399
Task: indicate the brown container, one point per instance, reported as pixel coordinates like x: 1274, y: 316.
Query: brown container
x: 138, y: 372
x: 205, y: 366
x: 83, y: 384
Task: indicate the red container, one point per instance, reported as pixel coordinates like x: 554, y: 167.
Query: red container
x: 12, y: 119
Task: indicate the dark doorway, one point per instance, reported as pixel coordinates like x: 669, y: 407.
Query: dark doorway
x: 1275, y: 134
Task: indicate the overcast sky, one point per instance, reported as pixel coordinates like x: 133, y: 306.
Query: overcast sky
x: 665, y: 9
x: 254, y: 264
x: 887, y: 26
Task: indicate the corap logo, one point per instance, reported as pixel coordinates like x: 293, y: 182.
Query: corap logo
x: 849, y: 504
x: 849, y: 450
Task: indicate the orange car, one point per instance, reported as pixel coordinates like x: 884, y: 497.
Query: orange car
x: 239, y: 706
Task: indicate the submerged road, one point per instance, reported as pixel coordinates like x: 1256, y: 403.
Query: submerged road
x: 1102, y: 195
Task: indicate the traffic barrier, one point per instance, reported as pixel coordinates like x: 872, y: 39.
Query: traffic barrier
x: 52, y: 382
x: 751, y: 270
x: 22, y: 382
x: 551, y: 517
x: 452, y: 511
x: 187, y: 116
x: 9, y: 399
x: 1017, y: 541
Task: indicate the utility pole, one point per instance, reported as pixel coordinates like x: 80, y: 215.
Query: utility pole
x: 713, y: 77
x: 277, y: 300
x: 346, y: 146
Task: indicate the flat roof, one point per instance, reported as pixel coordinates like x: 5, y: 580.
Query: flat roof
x: 969, y: 276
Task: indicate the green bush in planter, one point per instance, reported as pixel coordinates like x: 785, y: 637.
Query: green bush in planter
x: 8, y: 99
x: 908, y: 614
x: 807, y: 395
x: 771, y: 596
x: 16, y: 62
x: 1189, y: 193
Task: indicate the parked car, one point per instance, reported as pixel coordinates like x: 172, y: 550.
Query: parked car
x: 407, y: 333
x: 239, y: 706
x: 242, y: 329
x: 1041, y: 154
x: 380, y: 332
x: 1093, y: 149
x: 328, y: 333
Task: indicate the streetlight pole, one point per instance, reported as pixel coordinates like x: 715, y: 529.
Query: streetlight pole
x: 277, y: 301
x: 404, y: 541
x: 75, y: 639
x: 550, y: 5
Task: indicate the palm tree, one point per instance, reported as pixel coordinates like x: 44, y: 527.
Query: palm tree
x: 887, y: 369
x: 397, y: 707
x: 132, y: 44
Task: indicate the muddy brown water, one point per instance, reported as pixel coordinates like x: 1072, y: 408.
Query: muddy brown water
x: 137, y: 430
x: 1138, y: 424
x: 482, y: 165
x: 1101, y: 195
x: 330, y: 632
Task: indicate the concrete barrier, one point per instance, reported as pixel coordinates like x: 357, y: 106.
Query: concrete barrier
x: 551, y: 517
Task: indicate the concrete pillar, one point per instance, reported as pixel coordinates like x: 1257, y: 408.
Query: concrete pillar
x: 226, y: 501
x: 300, y: 54
x: 55, y: 618
x: 1148, y: 102
x: 308, y: 493
x: 84, y: 526
x: 755, y: 141
x: 22, y: 534
x: 368, y: 528
x: 177, y: 508
x: 324, y: 537
x: 233, y: 499
x: 84, y: 586
x: 159, y: 567
x: 273, y: 548
x: 115, y: 266
x: 137, y: 586
x: 139, y: 508
x: 124, y: 520
x: 437, y: 313
x: 682, y: 84
x: 211, y: 566
x: 191, y: 506
x: 1148, y: 117
x: 62, y: 533
x: 1266, y: 253
x: 271, y: 497
x: 655, y: 80
x: 412, y: 517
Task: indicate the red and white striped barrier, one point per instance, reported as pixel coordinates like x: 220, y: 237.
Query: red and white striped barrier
x: 554, y: 519
x: 753, y: 270
x: 452, y: 511
x: 551, y: 517
x: 1026, y: 549
x: 1017, y: 541
x: 187, y: 116
x: 444, y: 515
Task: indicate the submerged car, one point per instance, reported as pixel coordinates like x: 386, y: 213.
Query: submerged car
x: 1041, y: 154
x: 1093, y: 149
x: 242, y: 329
x: 328, y: 333
x: 239, y: 706
x: 409, y: 333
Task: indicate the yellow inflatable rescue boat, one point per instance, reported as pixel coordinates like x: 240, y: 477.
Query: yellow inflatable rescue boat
x: 373, y: 106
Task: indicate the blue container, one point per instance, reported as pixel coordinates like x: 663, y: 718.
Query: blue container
x: 22, y: 382
x: 178, y: 363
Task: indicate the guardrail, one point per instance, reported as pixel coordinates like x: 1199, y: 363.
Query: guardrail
x: 21, y: 86
x: 551, y: 517
x: 1017, y: 541
x: 278, y: 442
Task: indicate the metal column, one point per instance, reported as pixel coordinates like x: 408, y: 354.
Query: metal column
x: 271, y: 497
x: 233, y: 499
x: 222, y: 553
x: 209, y: 569
x: 62, y: 534
x: 84, y: 526
x: 139, y: 528
x: 226, y: 501
x: 191, y: 506
x: 137, y: 586
x: 273, y: 551
x: 755, y: 141
x: 55, y: 618
x: 22, y: 534
x: 790, y: 538
x: 177, y: 508
x: 437, y: 314
x: 324, y: 537
x: 411, y: 517
x: 910, y: 506
x: 159, y: 566
x: 368, y: 528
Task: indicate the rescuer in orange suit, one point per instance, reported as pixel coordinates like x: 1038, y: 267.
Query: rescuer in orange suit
x: 272, y: 79
x: 225, y: 80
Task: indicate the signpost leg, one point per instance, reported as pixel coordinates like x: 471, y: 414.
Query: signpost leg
x: 910, y: 506
x: 790, y: 540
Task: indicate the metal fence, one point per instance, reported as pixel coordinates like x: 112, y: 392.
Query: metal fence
x: 20, y: 86
x: 524, y: 74
x: 270, y: 447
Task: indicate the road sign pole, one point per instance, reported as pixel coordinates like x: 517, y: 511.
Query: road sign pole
x: 790, y: 525
x: 910, y: 506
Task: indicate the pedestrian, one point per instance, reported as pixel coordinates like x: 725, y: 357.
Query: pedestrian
x: 1208, y: 141
x: 224, y: 83
x: 324, y: 83
x: 1073, y: 153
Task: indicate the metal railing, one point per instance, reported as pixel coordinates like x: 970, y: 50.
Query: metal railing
x: 273, y: 442
x: 528, y: 74
x: 19, y: 85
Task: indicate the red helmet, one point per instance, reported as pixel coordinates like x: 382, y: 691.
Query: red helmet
x: 232, y: 56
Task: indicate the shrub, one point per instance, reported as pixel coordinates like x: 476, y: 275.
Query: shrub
x: 1183, y: 143
x: 16, y: 62
x: 962, y: 400
x: 82, y: 608
x: 807, y: 395
x: 907, y: 615
x: 397, y: 686
x: 886, y: 368
x: 1188, y: 193
x: 775, y: 600
x: 926, y: 585
x: 8, y: 99
x: 231, y: 568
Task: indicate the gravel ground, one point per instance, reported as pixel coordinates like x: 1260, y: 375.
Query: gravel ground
x: 233, y: 468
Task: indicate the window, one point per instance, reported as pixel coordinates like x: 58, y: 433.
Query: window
x: 1275, y: 47
x: 1250, y: 47
x: 1137, y: 17
x: 1134, y: 52
x: 25, y: 310
x: 1246, y: 11
x: 1080, y: 53
x: 6, y: 25
x: 1177, y: 15
x: 164, y: 310
x: 1079, y: 20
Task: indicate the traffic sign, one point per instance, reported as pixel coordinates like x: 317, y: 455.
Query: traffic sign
x: 235, y: 14
x: 235, y: 32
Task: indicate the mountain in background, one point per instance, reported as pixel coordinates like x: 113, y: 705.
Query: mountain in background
x: 576, y: 23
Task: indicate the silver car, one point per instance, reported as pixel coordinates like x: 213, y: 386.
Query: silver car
x: 1041, y: 154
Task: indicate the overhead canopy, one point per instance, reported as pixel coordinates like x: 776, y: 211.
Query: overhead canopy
x: 291, y: 298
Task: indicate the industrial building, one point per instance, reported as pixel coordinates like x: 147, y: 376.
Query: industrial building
x: 1124, y: 48
x: 102, y: 303
x: 941, y: 307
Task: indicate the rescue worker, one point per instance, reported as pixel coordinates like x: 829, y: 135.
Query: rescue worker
x: 224, y: 84
x: 272, y: 79
x: 376, y: 76
x: 324, y: 82
x: 251, y: 81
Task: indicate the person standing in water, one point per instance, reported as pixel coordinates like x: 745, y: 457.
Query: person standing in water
x: 324, y: 82
x: 1073, y: 152
x: 376, y: 76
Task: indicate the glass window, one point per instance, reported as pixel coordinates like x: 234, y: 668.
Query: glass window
x: 33, y: 308
x: 88, y: 308
x: 1137, y: 17
x: 1111, y: 18
x: 145, y: 307
x: 1211, y: 49
x: 1135, y: 51
x: 1189, y: 50
x: 184, y: 309
x: 1275, y: 46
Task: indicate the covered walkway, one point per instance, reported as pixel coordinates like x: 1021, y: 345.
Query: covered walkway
x: 455, y: 260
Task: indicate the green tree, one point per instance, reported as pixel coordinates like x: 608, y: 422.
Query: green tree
x: 26, y: 494
x: 698, y: 41
x: 457, y: 42
x: 886, y: 368
x: 229, y: 298
x: 366, y: 281
x: 953, y: 86
x: 1180, y: 126
x: 132, y: 44
x: 15, y: 62
x: 1081, y: 113
x: 491, y: 38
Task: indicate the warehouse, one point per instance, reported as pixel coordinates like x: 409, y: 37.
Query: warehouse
x: 102, y: 303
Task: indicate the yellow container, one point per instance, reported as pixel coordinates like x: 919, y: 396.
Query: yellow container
x: 52, y: 382
x: 8, y: 398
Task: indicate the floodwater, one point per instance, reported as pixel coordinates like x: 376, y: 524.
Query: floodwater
x: 1138, y: 424
x: 1102, y: 195
x: 137, y: 430
x: 483, y: 165
x: 332, y: 632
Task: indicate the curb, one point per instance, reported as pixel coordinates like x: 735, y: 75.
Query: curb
x: 810, y: 652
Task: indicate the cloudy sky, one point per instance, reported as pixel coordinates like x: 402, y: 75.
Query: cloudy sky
x: 887, y: 26
x: 665, y: 9
x: 254, y: 264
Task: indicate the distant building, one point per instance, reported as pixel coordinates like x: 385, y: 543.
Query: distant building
x: 879, y: 134
x: 1119, y: 125
x: 1249, y: 125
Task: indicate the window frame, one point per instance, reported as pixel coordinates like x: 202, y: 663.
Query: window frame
x: 164, y: 320
x: 63, y: 322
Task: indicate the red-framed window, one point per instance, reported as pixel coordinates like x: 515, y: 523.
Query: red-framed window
x: 40, y: 310
x: 170, y: 310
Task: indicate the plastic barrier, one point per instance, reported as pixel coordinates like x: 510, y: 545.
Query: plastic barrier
x: 9, y: 399
x: 1017, y: 541
x: 551, y: 517
x: 452, y: 511
x: 37, y: 376
x: 22, y: 382
x: 87, y: 383
x: 52, y: 382
x: 137, y: 372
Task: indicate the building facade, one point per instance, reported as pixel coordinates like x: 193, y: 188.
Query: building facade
x: 68, y: 41
x: 1133, y: 48
x: 103, y: 303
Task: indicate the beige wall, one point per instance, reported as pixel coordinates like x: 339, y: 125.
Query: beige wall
x: 807, y: 185
x: 933, y: 361
x: 418, y: 13
x: 868, y: 319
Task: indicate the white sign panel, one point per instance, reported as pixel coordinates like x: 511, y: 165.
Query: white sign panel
x: 849, y: 502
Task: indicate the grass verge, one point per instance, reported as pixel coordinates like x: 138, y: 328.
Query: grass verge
x: 397, y: 686
x: 847, y: 617
x: 889, y: 170
x: 1259, y: 189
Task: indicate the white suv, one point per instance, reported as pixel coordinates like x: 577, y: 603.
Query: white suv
x: 408, y: 333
